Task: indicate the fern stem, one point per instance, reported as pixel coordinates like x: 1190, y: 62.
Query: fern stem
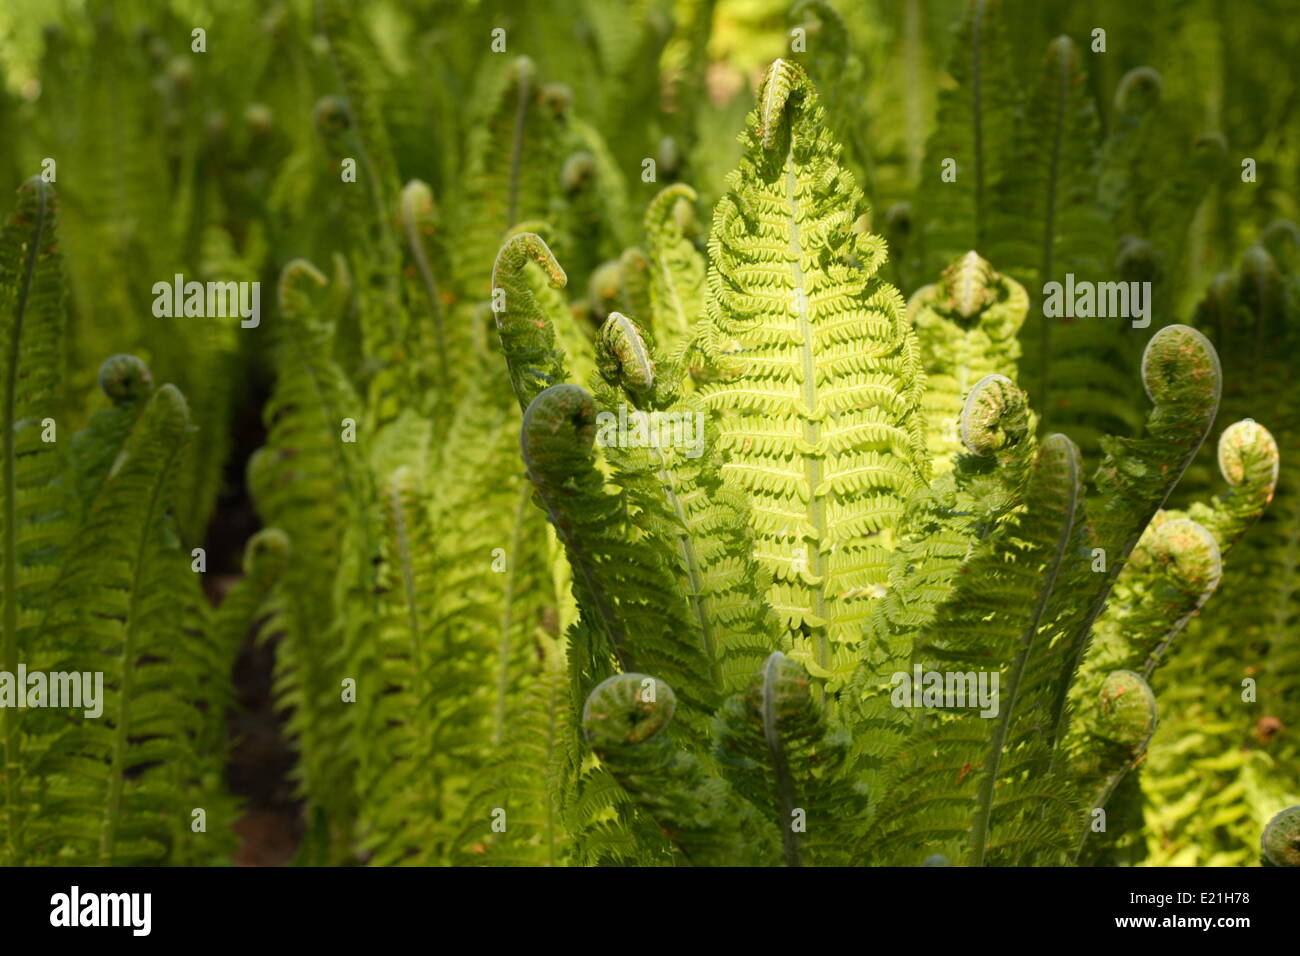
x: 503, y: 671
x: 1103, y: 798
x: 977, y: 117
x: 811, y: 429
x: 411, y: 228
x: 780, y: 767
x: 1049, y: 230
x: 10, y: 714
x: 517, y: 147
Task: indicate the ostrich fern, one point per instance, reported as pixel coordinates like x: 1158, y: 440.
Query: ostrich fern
x: 516, y: 618
x: 992, y: 565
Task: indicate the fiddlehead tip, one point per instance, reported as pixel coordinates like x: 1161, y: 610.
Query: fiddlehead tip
x: 995, y: 416
x: 1191, y: 556
x: 622, y: 355
x: 782, y: 79
x: 558, y: 423
x: 521, y: 247
x: 266, y: 554
x: 1139, y: 89
x: 296, y: 271
x: 578, y: 172
x: 969, y: 284
x: 1062, y: 56
x: 1127, y: 709
x: 1180, y: 364
x: 1247, y: 449
x: 789, y: 684
x: 125, y: 379
x: 416, y: 205
x: 1281, y: 840
x: 627, y: 709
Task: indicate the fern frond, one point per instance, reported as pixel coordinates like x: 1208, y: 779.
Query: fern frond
x: 34, y: 518
x: 966, y: 325
x: 819, y: 421
x: 780, y: 751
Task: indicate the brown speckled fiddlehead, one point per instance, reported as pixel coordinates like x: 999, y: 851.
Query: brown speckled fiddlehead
x: 1281, y: 840
x: 1182, y: 377
x: 527, y: 336
x: 623, y: 357
x: 994, y: 416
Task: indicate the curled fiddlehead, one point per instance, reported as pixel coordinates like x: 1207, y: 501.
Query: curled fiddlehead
x: 1138, y: 91
x: 626, y: 709
x: 1123, y: 722
x: 623, y: 357
x: 1126, y: 711
x: 125, y: 379
x: 559, y: 432
x: 527, y: 336
x: 1180, y: 366
x: 1281, y: 839
x: 966, y: 327
x: 994, y: 417
x: 266, y: 555
x: 626, y: 719
x: 578, y: 172
x: 1249, y: 462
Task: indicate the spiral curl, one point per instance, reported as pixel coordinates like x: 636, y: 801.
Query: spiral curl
x: 1127, y: 709
x: 1179, y: 364
x: 125, y: 379
x: 1281, y: 839
x: 995, y: 416
x: 617, y: 713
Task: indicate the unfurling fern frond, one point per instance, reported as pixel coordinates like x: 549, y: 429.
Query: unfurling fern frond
x: 780, y: 751
x: 966, y: 325
x: 626, y: 721
x: 676, y: 267
x: 115, y: 612
x: 623, y: 583
x: 819, y: 417
x: 975, y: 132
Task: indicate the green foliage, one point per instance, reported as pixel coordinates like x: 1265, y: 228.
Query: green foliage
x: 593, y: 536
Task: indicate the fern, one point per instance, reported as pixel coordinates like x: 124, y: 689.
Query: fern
x: 34, y: 516
x: 966, y: 325
x: 818, y: 419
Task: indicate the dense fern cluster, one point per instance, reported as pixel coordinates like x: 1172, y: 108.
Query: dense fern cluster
x: 596, y: 530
